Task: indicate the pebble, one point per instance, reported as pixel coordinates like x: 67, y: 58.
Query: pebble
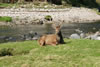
x: 69, y: 15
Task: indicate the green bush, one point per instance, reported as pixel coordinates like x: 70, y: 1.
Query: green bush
x: 48, y: 17
x: 6, y: 18
x: 6, y: 51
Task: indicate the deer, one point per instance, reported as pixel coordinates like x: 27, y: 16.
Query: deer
x: 52, y: 39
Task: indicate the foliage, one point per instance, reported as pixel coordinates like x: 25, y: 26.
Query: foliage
x: 3, y: 5
x: 98, y: 1
x: 6, y: 51
x: 78, y: 3
x: 6, y: 18
x: 57, y: 2
x: 48, y: 17
x: 74, y: 53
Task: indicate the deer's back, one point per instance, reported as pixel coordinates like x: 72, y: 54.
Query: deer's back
x: 51, y: 39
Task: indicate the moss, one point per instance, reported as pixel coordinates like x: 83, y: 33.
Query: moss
x: 48, y: 17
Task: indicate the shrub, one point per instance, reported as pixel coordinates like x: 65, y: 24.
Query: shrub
x: 78, y: 3
x: 36, y: 3
x: 48, y: 17
x: 6, y: 18
x: 6, y: 51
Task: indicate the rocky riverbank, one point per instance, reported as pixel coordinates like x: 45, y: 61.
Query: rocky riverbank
x: 36, y: 16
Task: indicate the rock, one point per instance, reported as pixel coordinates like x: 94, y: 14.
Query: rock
x: 95, y: 36
x: 27, y: 20
x: 7, y: 38
x: 36, y: 36
x: 30, y: 36
x: 27, y: 37
x: 98, y: 38
x: 74, y: 36
x: 82, y: 35
x: 12, y: 39
x: 4, y: 37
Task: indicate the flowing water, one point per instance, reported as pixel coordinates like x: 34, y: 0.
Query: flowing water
x: 67, y: 29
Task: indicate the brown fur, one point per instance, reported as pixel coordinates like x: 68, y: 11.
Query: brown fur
x: 51, y: 39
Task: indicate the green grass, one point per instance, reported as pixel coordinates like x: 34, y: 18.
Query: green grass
x: 3, y: 5
x: 48, y: 17
x: 31, y: 5
x: 5, y: 18
x: 75, y: 53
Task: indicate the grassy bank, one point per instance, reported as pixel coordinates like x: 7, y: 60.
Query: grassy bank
x: 6, y: 19
x: 3, y: 5
x: 75, y: 53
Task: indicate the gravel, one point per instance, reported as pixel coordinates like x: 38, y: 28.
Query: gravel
x: 67, y: 15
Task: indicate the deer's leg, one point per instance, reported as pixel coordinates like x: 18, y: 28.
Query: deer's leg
x: 54, y: 43
x: 42, y: 41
